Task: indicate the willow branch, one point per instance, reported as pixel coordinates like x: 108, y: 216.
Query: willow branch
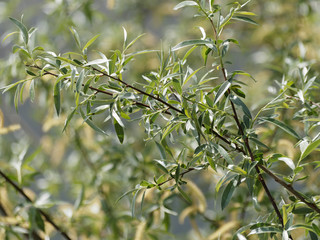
x: 93, y: 88
x: 181, y: 175
x: 45, y: 215
x: 289, y: 188
x: 247, y: 145
x: 138, y: 90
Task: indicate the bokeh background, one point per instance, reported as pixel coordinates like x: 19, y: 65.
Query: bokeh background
x: 62, y: 169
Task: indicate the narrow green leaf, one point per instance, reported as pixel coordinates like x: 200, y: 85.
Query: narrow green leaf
x: 70, y: 116
x: 125, y: 36
x: 244, y: 108
x: 261, y: 230
x: 22, y: 28
x: 91, y: 124
x: 311, y: 147
x: 169, y: 129
x: 119, y: 130
x: 56, y: 96
x: 10, y: 34
x: 161, y: 150
x: 161, y: 165
x: 177, y: 86
x: 211, y: 163
x: 184, y: 4
x: 125, y: 194
x: 76, y: 37
x: 31, y: 91
x: 7, y: 88
x: 256, y: 141
x: 192, y: 43
x: 191, y: 75
x: 184, y: 195
x: 132, y: 42
x: 223, y: 153
x: 304, y: 226
x: 80, y: 81
x: 90, y: 42
x: 117, y: 117
x: 283, y: 126
x: 188, y: 53
x: 227, y: 194
x: 97, y: 62
x: 177, y: 174
x: 133, y: 203
x: 240, y: 72
x: 22, y: 50
x: 69, y: 61
x: 223, y: 88
x: 79, y: 200
x: 287, y: 161
x: 246, y: 13
x: 244, y: 19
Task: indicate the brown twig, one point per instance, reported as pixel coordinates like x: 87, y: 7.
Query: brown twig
x: 96, y: 89
x: 45, y: 215
x: 289, y: 188
x: 139, y: 90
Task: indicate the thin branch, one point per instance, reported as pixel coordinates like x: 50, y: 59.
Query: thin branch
x: 139, y: 90
x: 45, y: 215
x: 95, y: 89
x: 181, y: 175
x: 289, y: 188
x: 246, y: 141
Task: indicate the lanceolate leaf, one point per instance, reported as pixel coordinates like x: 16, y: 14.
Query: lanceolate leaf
x: 311, y: 147
x: 192, y: 43
x: 70, y: 116
x: 23, y: 29
x: 184, y: 4
x: 90, y: 42
x: 80, y: 81
x: 223, y: 88
x: 31, y: 90
x: 90, y: 123
x: 223, y: 153
x: 56, y: 93
x: 119, y: 130
x: 283, y: 126
x: 76, y: 37
x: 244, y: 108
x: 97, y: 61
x: 227, y: 194
x: 244, y: 19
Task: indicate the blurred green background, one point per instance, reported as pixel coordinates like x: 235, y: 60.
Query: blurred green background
x: 61, y: 167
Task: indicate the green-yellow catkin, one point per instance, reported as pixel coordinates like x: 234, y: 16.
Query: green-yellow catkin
x: 197, y: 195
x: 140, y: 231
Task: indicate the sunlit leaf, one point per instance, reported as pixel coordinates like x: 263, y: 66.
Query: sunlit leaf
x: 22, y: 28
x: 244, y: 108
x: 227, y: 194
x: 184, y: 4
x: 90, y: 42
x: 91, y: 124
x: 192, y: 43
x: 244, y: 19
x: 311, y: 147
x: 283, y: 126
x: 223, y: 88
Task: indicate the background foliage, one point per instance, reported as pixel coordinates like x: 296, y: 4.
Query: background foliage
x: 77, y: 176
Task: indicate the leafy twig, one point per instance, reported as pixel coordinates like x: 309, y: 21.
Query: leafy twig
x: 45, y: 215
